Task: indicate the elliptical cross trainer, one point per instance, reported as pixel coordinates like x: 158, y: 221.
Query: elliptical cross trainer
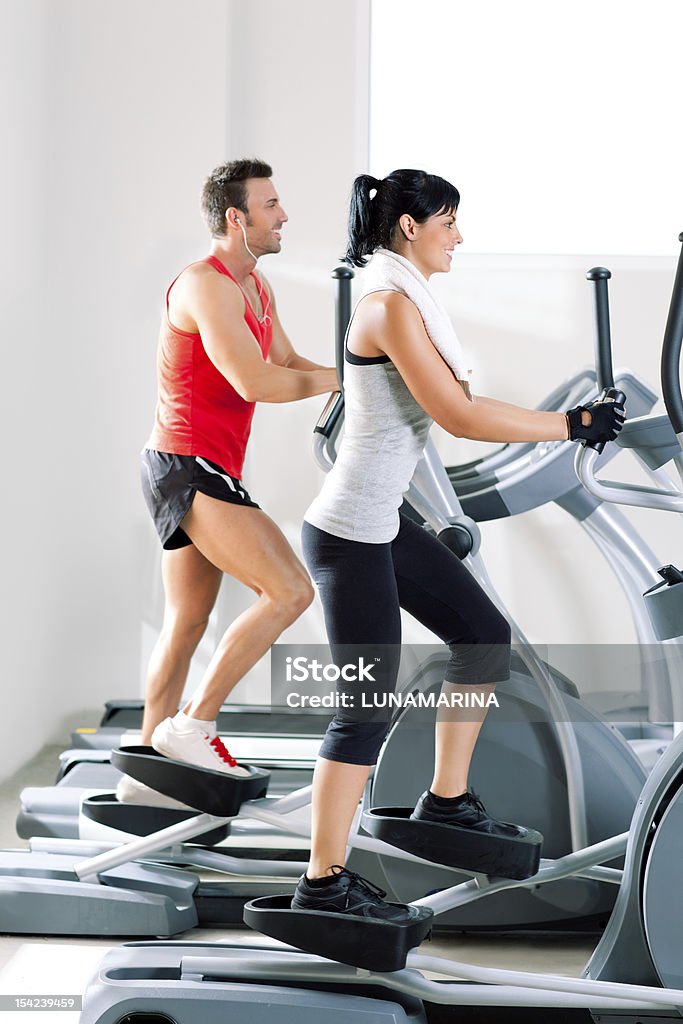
x: 634, y: 973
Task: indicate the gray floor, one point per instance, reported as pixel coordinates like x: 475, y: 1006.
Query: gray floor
x: 30, y: 962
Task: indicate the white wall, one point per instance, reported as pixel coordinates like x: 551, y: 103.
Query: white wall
x: 116, y: 113
x: 25, y: 657
x: 540, y: 116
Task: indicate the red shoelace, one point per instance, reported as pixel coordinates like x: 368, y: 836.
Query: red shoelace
x: 222, y: 751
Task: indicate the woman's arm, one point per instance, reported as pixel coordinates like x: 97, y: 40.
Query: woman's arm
x: 396, y: 327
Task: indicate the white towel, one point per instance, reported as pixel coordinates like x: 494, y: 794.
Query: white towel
x: 389, y: 271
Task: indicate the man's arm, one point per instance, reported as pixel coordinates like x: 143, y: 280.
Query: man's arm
x: 282, y: 351
x: 297, y: 362
x: 217, y: 306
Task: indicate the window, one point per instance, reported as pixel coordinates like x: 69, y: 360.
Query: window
x: 559, y: 122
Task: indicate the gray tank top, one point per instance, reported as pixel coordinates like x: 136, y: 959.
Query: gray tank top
x: 385, y: 431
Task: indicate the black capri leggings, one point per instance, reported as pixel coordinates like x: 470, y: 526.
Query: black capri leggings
x: 363, y: 587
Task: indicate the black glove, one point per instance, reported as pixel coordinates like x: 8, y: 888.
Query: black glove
x: 607, y: 419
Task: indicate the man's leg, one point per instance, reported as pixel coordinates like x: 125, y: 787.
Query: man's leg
x: 191, y: 585
x: 246, y: 544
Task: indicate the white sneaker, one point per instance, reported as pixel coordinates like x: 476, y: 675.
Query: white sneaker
x: 130, y: 791
x: 194, y: 746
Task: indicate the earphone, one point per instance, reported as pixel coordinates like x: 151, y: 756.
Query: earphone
x: 244, y: 236
x: 266, y: 318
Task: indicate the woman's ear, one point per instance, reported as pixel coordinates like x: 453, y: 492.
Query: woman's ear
x: 408, y: 227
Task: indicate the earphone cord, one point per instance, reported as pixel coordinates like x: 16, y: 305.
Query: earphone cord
x: 246, y: 244
x: 265, y: 306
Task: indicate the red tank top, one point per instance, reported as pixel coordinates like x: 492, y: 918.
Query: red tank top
x: 198, y: 411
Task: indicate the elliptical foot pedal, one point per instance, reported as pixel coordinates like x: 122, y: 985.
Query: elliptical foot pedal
x: 456, y: 847
x: 209, y: 791
x: 143, y: 820
x: 365, y: 942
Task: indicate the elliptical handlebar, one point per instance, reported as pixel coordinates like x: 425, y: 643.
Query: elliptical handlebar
x: 343, y: 275
x: 632, y: 494
x: 671, y: 353
x: 603, y: 338
x: 610, y: 394
x: 326, y: 430
x: 331, y: 418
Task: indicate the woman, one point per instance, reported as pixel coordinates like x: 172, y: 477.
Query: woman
x: 403, y: 370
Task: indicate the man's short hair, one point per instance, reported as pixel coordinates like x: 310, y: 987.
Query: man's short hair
x: 226, y: 187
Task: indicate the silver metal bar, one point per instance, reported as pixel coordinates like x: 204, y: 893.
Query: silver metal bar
x: 623, y: 493
x: 321, y: 453
x: 614, y: 876
x: 431, y: 482
x: 214, y: 860
x: 260, y: 811
x: 291, y: 802
x: 566, y: 737
x: 635, y: 566
x: 87, y: 870
x: 659, y: 476
x: 195, y: 856
x: 501, y: 988
x: 579, y: 986
x: 630, y: 560
x: 549, y: 871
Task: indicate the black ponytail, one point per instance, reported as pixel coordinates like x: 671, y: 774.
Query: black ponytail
x: 362, y: 226
x: 372, y: 221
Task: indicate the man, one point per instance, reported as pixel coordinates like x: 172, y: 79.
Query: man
x: 222, y: 348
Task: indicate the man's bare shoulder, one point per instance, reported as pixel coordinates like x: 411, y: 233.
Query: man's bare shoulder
x: 201, y: 292
x: 200, y: 282
x: 202, y: 275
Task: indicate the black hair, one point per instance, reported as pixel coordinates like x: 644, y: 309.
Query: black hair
x: 372, y: 220
x: 226, y: 187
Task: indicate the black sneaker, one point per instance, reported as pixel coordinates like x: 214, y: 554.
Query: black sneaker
x: 350, y: 894
x: 469, y: 812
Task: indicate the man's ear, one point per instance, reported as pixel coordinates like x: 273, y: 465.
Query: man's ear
x: 232, y: 217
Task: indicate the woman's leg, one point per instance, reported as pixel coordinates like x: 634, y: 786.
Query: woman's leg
x: 362, y: 617
x: 440, y: 592
x: 337, y: 790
